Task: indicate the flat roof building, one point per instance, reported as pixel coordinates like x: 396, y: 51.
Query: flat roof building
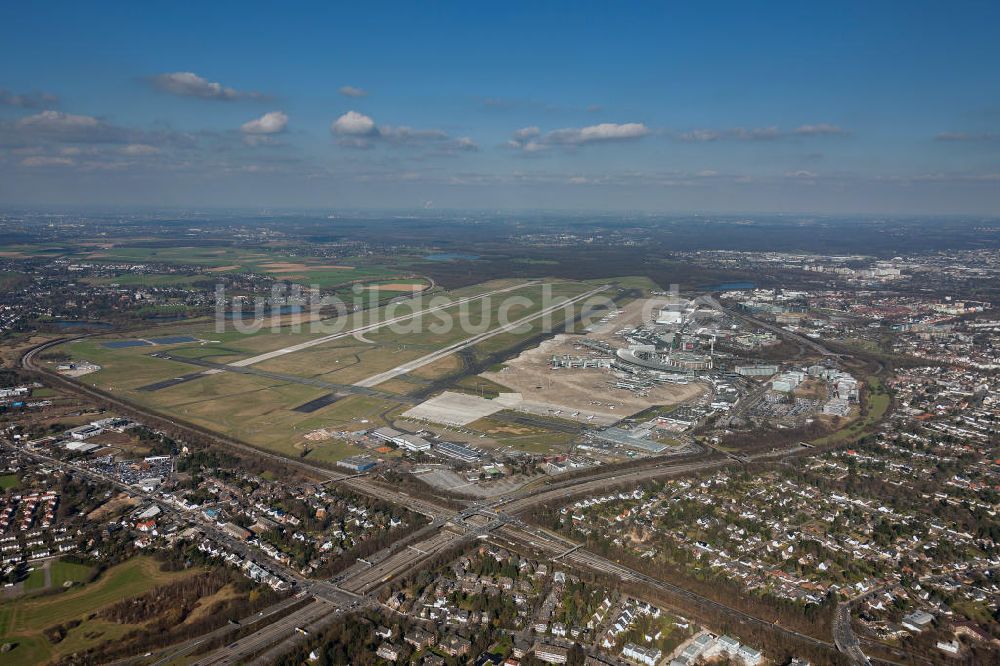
x: 630, y: 440
x: 357, y: 463
x: 457, y: 451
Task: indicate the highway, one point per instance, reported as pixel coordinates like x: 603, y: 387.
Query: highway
x: 843, y: 635
x: 175, y: 652
x: 363, y: 579
x: 276, y: 632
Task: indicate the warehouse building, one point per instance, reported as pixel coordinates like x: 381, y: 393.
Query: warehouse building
x: 357, y: 463
x: 403, y: 441
x: 629, y: 440
x: 457, y: 451
x: 756, y: 370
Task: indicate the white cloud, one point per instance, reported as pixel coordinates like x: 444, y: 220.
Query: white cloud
x: 189, y: 84
x: 61, y: 127
x: 356, y: 130
x: 819, y: 129
x: 602, y: 132
x: 408, y: 134
x: 46, y: 161
x: 351, y: 91
x: 757, y: 133
x: 465, y: 143
x: 58, y: 121
x: 531, y: 139
x: 272, y: 122
x: 139, y: 149
x: 354, y: 124
x: 700, y: 135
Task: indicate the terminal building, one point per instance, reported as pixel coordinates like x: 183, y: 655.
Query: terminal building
x: 646, y: 356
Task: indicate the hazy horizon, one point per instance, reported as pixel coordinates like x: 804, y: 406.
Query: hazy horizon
x: 847, y: 109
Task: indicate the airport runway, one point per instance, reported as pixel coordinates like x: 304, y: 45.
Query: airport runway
x: 343, y: 389
x: 253, y: 360
x: 410, y: 366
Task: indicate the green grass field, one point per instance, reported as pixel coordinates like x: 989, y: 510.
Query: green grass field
x: 60, y: 572
x: 8, y: 481
x: 23, y: 621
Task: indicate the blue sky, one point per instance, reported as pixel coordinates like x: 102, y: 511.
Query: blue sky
x: 885, y: 107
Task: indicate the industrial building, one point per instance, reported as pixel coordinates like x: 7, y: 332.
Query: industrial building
x: 837, y: 407
x: 757, y: 370
x: 457, y: 451
x: 788, y: 382
x: 413, y: 443
x: 386, y: 434
x: 629, y: 440
x: 403, y: 441
x: 357, y: 463
x: 85, y: 431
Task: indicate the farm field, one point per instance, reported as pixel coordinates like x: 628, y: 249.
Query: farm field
x: 281, y: 261
x: 278, y: 263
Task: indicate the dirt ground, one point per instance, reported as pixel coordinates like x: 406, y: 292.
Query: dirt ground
x: 113, y: 506
x: 587, y: 391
